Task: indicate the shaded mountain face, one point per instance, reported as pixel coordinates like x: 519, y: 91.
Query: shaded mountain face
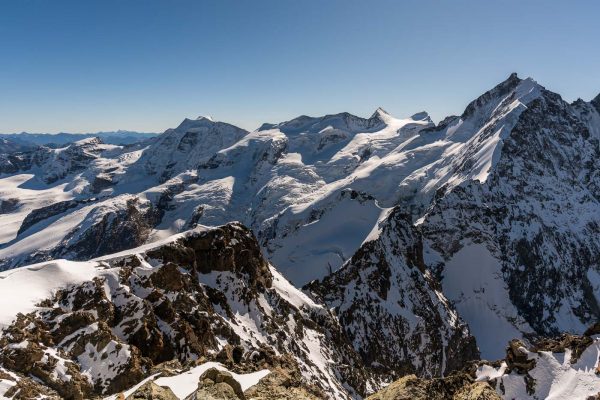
x: 418, y: 236
x: 391, y: 308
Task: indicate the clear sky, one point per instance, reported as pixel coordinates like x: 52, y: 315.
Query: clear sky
x: 82, y: 66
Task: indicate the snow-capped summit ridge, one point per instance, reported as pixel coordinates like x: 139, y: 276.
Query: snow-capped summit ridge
x: 499, y: 90
x: 380, y: 112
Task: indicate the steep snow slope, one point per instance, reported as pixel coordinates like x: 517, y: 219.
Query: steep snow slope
x: 473, y: 282
x: 23, y: 288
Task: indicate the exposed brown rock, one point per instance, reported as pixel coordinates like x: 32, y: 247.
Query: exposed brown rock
x: 281, y: 384
x: 27, y: 389
x: 135, y: 321
x: 215, y: 384
x: 576, y: 343
x: 151, y: 391
x: 455, y: 387
x: 168, y: 368
x: 517, y: 359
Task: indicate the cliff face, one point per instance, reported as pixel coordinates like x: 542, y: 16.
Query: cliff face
x: 516, y: 252
x: 391, y: 308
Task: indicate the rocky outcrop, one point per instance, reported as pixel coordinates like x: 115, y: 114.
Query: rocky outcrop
x: 43, y: 213
x: 283, y: 384
x: 391, y: 308
x: 208, y: 295
x: 9, y: 205
x: 217, y: 385
x: 151, y: 391
x: 455, y: 387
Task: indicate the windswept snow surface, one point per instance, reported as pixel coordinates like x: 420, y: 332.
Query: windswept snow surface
x: 22, y: 288
x: 555, y: 375
x: 185, y: 383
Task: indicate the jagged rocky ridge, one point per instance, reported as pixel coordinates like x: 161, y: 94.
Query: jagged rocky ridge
x: 559, y: 367
x: 530, y: 228
x: 207, y: 295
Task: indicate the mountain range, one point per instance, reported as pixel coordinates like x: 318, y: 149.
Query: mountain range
x: 120, y: 137
x: 321, y: 257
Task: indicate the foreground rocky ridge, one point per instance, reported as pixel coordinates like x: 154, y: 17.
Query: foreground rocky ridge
x: 207, y: 295
x: 562, y: 367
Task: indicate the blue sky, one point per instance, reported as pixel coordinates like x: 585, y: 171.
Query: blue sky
x: 83, y: 66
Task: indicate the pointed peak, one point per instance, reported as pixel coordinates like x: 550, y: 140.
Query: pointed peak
x: 596, y: 103
x: 510, y: 83
x: 501, y: 89
x: 206, y: 117
x: 380, y: 113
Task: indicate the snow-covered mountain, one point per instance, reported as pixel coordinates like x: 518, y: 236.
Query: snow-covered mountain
x: 429, y: 245
x: 525, y: 233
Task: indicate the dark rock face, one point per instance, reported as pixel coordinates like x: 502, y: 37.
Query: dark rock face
x: 390, y: 309
x: 11, y: 163
x: 46, y: 212
x: 9, y: 205
x: 596, y: 103
x: 207, y: 296
x: 123, y: 224
x: 125, y: 228
x: 500, y: 90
